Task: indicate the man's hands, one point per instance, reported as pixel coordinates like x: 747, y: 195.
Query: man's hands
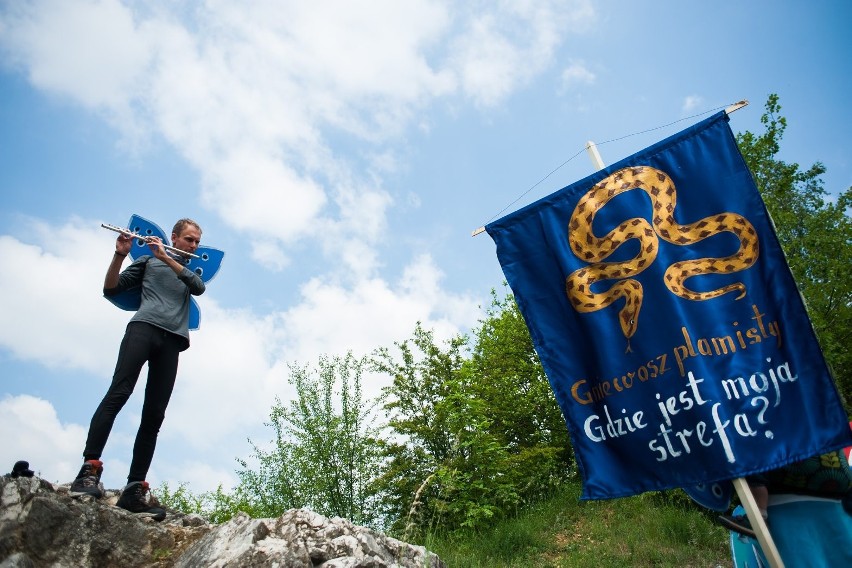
x: 159, y: 251
x: 157, y: 248
x: 123, y: 245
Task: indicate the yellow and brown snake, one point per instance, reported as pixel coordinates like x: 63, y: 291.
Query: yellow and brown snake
x: 594, y: 250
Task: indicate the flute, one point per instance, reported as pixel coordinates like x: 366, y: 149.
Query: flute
x: 132, y: 235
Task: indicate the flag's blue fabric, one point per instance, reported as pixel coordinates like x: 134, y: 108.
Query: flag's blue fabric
x: 668, y: 322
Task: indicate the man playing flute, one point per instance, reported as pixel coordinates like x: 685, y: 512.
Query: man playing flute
x: 156, y: 334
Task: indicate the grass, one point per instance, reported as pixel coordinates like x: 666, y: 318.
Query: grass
x: 654, y: 529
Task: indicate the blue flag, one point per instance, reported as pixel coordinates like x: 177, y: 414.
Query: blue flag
x: 668, y: 322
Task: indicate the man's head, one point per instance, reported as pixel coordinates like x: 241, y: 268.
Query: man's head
x: 186, y: 235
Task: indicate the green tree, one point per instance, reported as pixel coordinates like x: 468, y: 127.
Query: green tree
x: 325, y: 452
x: 511, y: 380
x: 417, y: 416
x: 444, y: 467
x: 816, y: 235
x: 217, y: 506
x: 474, y: 438
x: 511, y: 383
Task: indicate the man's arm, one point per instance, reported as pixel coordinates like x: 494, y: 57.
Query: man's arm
x: 192, y: 281
x: 156, y: 246
x: 122, y: 249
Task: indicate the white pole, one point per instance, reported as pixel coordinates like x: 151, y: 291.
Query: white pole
x: 596, y: 160
x: 594, y: 155
x: 758, y: 523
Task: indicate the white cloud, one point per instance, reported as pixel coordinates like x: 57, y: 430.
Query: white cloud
x: 255, y: 95
x: 577, y: 74
x: 62, y: 44
x: 198, y: 476
x: 504, y: 45
x: 692, y: 103
x: 272, y: 200
x: 332, y: 318
x: 227, y: 379
x: 52, y: 292
x: 32, y: 432
x: 250, y: 92
x: 268, y: 254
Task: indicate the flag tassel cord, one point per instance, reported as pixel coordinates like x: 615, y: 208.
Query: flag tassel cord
x: 596, y: 157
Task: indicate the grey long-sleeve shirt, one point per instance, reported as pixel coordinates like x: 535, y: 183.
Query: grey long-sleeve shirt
x: 165, y: 295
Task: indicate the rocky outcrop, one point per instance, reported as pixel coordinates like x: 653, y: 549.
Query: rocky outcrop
x: 41, y: 525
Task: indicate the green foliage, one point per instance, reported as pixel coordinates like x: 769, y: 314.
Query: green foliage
x: 216, y: 506
x: 443, y: 451
x: 816, y: 235
x: 508, y: 378
x: 420, y: 407
x: 507, y: 368
x: 561, y: 531
x: 181, y: 499
x: 220, y: 506
x: 324, y: 455
x: 474, y: 438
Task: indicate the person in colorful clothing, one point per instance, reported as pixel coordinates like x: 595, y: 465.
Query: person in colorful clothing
x: 825, y: 475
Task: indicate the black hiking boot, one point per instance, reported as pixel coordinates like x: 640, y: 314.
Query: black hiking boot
x: 134, y: 498
x: 88, y: 481
x: 22, y: 469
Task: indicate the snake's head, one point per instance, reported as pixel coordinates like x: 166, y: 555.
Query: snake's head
x: 629, y: 322
x: 628, y: 317
x: 628, y: 326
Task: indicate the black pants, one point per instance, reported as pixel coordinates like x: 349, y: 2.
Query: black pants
x: 142, y: 342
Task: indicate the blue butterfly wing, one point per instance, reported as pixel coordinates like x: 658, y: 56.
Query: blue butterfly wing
x: 146, y: 228
x: 715, y: 496
x: 194, y: 314
x: 129, y: 300
x: 207, y: 264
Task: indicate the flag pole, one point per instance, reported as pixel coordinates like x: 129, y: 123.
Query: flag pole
x: 767, y: 544
x: 746, y: 497
x: 736, y: 106
x: 758, y: 523
x: 740, y: 484
x: 594, y: 155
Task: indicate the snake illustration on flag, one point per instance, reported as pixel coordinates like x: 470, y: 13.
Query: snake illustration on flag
x: 660, y: 188
x: 668, y: 323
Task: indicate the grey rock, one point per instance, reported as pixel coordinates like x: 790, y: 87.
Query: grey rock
x: 41, y: 525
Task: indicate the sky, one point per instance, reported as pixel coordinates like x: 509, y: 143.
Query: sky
x: 341, y: 154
